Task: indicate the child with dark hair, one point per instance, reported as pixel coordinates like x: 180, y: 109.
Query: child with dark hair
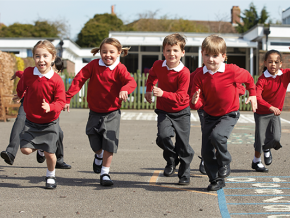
x: 271, y: 90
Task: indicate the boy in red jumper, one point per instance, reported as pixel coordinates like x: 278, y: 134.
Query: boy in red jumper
x: 214, y: 89
x: 172, y: 107
x: 271, y: 90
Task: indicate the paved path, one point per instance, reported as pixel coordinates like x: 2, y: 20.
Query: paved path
x: 140, y: 189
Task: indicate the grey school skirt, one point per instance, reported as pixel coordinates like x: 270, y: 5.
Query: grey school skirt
x: 103, y: 130
x: 267, y: 132
x: 40, y: 136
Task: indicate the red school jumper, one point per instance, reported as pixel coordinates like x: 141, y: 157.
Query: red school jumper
x: 271, y: 91
x: 104, y: 86
x: 173, y: 84
x: 218, y: 91
x: 37, y: 89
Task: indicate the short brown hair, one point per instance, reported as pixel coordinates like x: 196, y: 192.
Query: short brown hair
x: 174, y: 39
x: 111, y: 41
x: 214, y: 44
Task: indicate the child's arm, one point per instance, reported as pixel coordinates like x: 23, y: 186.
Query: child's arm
x: 78, y: 82
x: 128, y: 83
x: 151, y: 82
x: 275, y: 110
x: 58, y: 99
x: 21, y: 86
x: 243, y: 76
x: 196, y: 100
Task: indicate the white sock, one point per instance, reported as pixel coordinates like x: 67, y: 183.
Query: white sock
x: 40, y: 152
x: 105, y: 170
x: 97, y: 161
x: 50, y: 174
x: 267, y: 153
x: 256, y: 160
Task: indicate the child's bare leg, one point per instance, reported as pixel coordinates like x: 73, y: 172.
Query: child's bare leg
x: 257, y: 154
x: 107, y: 158
x: 50, y: 160
x: 27, y: 151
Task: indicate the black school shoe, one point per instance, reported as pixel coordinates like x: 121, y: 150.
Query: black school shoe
x: 224, y: 171
x: 62, y: 165
x: 201, y: 166
x: 216, y: 185
x: 39, y: 158
x: 106, y: 182
x: 256, y: 167
x: 97, y: 168
x: 184, y: 181
x: 8, y: 158
x: 49, y: 185
x: 169, y: 169
x: 268, y: 160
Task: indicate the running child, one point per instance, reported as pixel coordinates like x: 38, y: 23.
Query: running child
x: 109, y: 85
x: 9, y: 154
x: 44, y: 99
x: 172, y: 107
x: 214, y: 89
x: 271, y: 90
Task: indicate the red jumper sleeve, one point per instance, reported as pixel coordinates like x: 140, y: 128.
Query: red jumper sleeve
x: 59, y: 97
x: 128, y: 82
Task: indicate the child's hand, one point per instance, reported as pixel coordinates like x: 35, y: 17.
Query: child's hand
x: 195, y: 97
x: 45, y: 106
x: 157, y: 91
x: 148, y: 97
x: 123, y: 96
x: 66, y: 107
x: 13, y: 77
x: 16, y: 98
x: 275, y: 110
x: 253, y: 100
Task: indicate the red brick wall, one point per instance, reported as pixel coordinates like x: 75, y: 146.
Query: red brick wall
x: 285, y: 64
x: 70, y: 67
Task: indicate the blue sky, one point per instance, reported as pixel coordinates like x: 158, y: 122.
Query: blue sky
x: 77, y: 13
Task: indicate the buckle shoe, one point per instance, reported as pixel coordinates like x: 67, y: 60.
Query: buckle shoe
x: 256, y: 167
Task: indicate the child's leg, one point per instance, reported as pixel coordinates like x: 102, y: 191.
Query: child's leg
x: 27, y: 151
x: 107, y: 160
x: 181, y: 124
x: 11, y: 150
x: 50, y: 160
x: 163, y: 140
x: 50, y: 173
x: 273, y: 134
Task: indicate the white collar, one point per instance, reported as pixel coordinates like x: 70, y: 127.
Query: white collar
x: 112, y: 67
x: 221, y: 69
x: 177, y: 69
x: 267, y: 74
x: 48, y: 75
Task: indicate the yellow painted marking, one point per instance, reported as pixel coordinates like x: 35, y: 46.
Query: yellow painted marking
x: 155, y: 175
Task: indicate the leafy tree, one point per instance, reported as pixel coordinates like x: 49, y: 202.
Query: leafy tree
x: 40, y: 28
x: 97, y: 28
x: 251, y: 18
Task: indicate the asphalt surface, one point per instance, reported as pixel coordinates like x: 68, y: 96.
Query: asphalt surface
x: 140, y: 189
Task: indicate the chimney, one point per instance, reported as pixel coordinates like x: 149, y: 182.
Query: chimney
x: 112, y: 10
x: 236, y: 11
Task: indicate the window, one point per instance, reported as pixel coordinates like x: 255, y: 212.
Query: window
x: 13, y: 52
x: 87, y: 60
x: 150, y: 48
x: 29, y: 53
x: 131, y: 62
x: 191, y: 49
x: 280, y: 43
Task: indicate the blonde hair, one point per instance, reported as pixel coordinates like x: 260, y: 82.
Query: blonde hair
x: 175, y: 39
x: 47, y: 45
x: 114, y: 42
x: 214, y: 44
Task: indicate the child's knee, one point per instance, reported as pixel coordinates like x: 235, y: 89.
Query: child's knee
x: 217, y: 139
x: 26, y: 151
